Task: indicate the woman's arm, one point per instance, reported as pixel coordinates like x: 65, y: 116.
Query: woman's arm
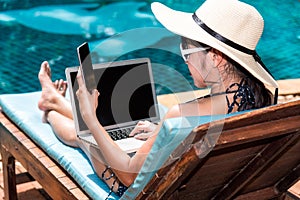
x: 124, y: 166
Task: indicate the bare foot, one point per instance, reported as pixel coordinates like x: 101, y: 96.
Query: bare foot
x: 51, y: 92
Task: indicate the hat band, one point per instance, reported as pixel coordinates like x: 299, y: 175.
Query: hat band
x: 235, y: 46
x: 222, y: 38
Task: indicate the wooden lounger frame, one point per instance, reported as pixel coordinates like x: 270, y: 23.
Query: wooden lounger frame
x: 15, y: 145
x: 256, y: 157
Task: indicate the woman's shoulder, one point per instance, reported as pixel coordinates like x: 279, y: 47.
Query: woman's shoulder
x: 194, y: 108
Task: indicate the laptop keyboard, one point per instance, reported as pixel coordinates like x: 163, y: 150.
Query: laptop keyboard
x: 119, y: 134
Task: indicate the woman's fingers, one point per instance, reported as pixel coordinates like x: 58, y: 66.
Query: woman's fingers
x: 87, y: 102
x: 96, y: 95
x: 79, y: 79
x: 143, y: 136
x: 137, y: 129
x: 142, y: 127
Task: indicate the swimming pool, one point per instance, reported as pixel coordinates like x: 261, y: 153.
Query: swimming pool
x: 36, y: 31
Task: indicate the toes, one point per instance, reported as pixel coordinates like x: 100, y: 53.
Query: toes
x: 62, y: 87
x: 61, y: 84
x: 45, y: 70
x: 55, y: 84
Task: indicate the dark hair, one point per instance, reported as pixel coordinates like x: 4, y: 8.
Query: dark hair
x: 263, y: 96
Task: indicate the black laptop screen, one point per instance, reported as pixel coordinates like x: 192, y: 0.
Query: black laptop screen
x: 126, y: 94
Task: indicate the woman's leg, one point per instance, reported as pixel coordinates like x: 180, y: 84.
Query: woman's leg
x: 57, y: 109
x: 63, y: 127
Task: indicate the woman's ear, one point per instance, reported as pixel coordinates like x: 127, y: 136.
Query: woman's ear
x: 216, y: 55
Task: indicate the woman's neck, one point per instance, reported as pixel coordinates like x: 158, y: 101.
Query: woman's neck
x: 222, y: 86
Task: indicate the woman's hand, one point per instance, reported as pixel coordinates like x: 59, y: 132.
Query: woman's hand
x: 87, y: 102
x: 143, y: 130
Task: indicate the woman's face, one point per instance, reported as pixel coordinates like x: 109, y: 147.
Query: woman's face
x: 202, y: 68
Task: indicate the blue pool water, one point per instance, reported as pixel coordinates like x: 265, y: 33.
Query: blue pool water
x: 35, y: 31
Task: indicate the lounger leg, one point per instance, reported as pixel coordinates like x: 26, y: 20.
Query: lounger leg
x: 9, y: 175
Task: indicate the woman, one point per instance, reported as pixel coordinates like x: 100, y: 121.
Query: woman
x: 218, y: 46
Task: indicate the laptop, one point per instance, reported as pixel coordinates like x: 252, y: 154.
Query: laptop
x: 127, y: 95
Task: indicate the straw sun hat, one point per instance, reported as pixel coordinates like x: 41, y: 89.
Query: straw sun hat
x: 231, y: 26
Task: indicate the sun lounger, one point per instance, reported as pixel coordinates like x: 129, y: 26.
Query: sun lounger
x: 65, y: 172
x: 256, y: 157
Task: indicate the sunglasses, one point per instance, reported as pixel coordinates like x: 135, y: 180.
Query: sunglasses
x: 185, y: 53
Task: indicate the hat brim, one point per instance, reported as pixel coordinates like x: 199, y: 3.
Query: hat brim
x: 182, y: 23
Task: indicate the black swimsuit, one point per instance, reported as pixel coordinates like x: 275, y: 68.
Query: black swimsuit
x: 243, y: 93
x: 121, y: 189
